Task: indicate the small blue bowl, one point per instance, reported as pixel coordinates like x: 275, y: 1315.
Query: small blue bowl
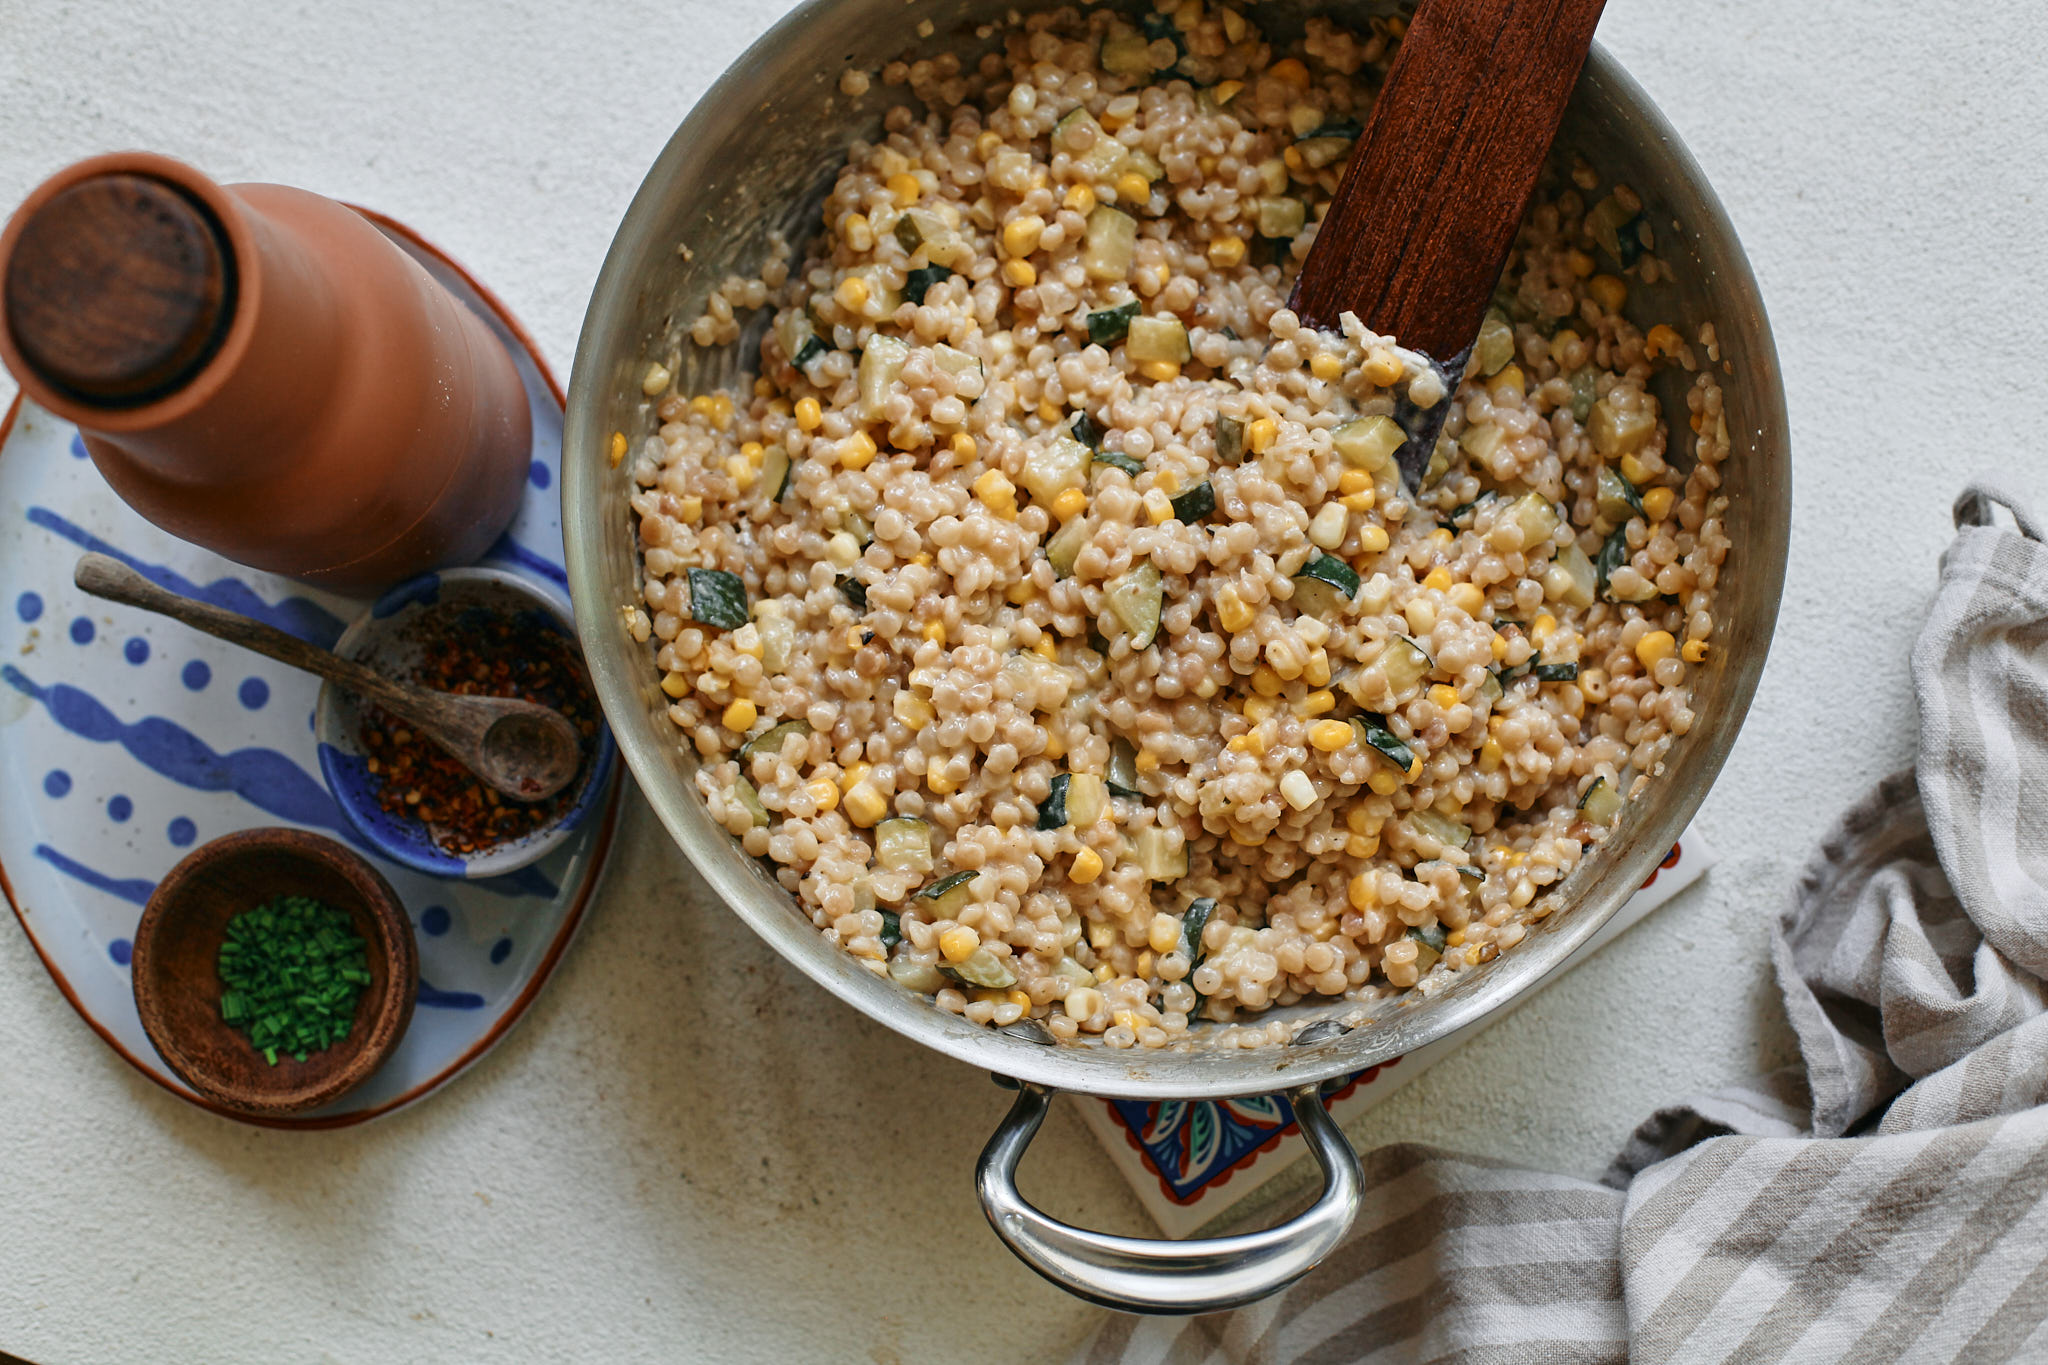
x: 383, y: 638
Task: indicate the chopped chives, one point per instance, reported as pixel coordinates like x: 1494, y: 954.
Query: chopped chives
x: 291, y: 972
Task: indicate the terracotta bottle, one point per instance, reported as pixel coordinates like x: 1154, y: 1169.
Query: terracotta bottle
x: 260, y: 371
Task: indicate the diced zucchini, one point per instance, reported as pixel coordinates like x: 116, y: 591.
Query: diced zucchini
x: 1325, y: 587
x: 1086, y: 430
x: 1192, y: 924
x: 775, y: 472
x: 955, y: 362
x: 1116, y: 459
x: 778, y: 640
x: 881, y: 364
x: 1052, y: 812
x: 1613, y: 554
x: 920, y: 227
x: 718, y: 598
x: 795, y: 334
x: 1426, y: 954
x: 1139, y: 160
x: 854, y: 591
x: 903, y: 843
x: 770, y: 741
x: 1616, y: 433
x: 1369, y: 443
x: 1107, y: 326
x: 919, y: 282
x: 1281, y: 217
x: 1373, y: 731
x: 1585, y: 392
x: 1054, y: 467
x: 1345, y: 129
x: 1229, y: 440
x: 1405, y: 663
x: 949, y: 895
x: 1604, y: 221
x: 1496, y: 344
x: 923, y: 977
x: 1556, y: 672
x: 1122, y: 778
x: 1135, y: 599
x: 1439, y: 460
x: 1191, y: 505
x: 1432, y: 936
x: 1441, y: 828
x: 983, y: 968
x: 1482, y: 441
x: 1065, y: 544
x: 1602, y: 803
x: 1489, y: 686
x: 1537, y: 518
x: 1158, y: 339
x: 1087, y: 799
x: 1127, y: 54
x: 1111, y: 242
x: 1571, y: 578
x: 892, y: 930
x: 1318, y: 151
x: 744, y: 792
x: 1616, y: 497
x: 1158, y: 857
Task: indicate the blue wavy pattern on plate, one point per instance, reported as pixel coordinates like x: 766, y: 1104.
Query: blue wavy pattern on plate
x: 126, y: 740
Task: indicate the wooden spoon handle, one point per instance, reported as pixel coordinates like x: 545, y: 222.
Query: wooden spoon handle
x: 103, y: 576
x: 1422, y: 223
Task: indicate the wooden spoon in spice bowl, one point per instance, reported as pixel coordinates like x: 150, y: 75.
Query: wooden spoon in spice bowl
x: 524, y: 750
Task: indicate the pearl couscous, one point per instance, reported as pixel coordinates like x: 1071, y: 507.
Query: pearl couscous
x: 1051, y: 613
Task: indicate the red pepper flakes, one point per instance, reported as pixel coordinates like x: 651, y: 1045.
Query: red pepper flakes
x: 477, y: 652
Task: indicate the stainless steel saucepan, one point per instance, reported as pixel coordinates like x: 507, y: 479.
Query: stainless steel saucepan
x: 756, y: 155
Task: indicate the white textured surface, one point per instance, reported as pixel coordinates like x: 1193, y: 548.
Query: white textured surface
x: 688, y: 1153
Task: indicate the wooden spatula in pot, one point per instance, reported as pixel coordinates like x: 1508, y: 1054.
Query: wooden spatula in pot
x: 1414, y: 242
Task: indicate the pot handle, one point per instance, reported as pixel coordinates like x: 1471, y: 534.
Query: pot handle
x: 1143, y: 1275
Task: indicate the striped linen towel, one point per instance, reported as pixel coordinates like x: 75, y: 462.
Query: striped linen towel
x: 1886, y: 1200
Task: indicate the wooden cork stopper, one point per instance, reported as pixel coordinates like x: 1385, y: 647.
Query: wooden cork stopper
x: 119, y: 290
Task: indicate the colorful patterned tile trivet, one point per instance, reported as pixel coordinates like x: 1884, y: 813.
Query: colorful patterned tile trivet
x: 1190, y: 1162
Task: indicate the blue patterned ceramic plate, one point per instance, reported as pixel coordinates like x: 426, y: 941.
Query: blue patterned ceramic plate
x: 126, y: 739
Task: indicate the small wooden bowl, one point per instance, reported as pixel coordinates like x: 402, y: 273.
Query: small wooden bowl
x: 177, y: 973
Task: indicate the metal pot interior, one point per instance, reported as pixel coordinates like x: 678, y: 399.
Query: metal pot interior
x: 757, y: 154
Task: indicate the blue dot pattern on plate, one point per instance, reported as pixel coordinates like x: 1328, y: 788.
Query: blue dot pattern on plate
x: 136, y: 651
x: 434, y: 920
x: 81, y: 630
x: 57, y: 783
x: 78, y: 447
x: 119, y: 808
x: 29, y: 606
x: 122, y: 951
x: 254, y: 692
x: 501, y: 950
x: 539, y: 474
x: 197, y: 675
x: 182, y: 832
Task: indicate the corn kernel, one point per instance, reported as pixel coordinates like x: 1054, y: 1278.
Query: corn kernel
x: 858, y: 451
x: 857, y: 232
x: 755, y: 453
x: 1500, y: 648
x: 936, y: 781
x: 1655, y: 647
x: 693, y: 508
x: 1259, y: 709
x: 1046, y: 648
x: 958, y: 943
x: 1021, y: 234
x: 1331, y: 735
x: 996, y: 492
x: 1019, y: 274
x: 676, y: 684
x: 618, y: 451
x: 1372, y: 539
x: 1158, y: 507
x: 913, y: 710
x: 1318, y: 702
x: 1297, y: 790
x: 1657, y: 503
x: 1383, y: 367
x: 1227, y: 252
x: 1261, y: 434
x: 1694, y: 651
x: 922, y: 559
x: 865, y: 806
x: 1160, y: 371
x: 1325, y: 366
x: 1359, y: 820
x: 1543, y: 628
x: 1133, y: 188
x: 655, y: 380
x: 1227, y: 91
x: 741, y: 715
x: 1020, y: 593
x: 808, y: 414
x: 1055, y: 747
x: 1081, y: 199
x: 1019, y: 997
x: 1579, y: 263
x: 1146, y: 761
x: 1071, y: 503
x: 1316, y: 672
x: 1444, y: 695
x: 1087, y: 866
x: 1362, y: 892
x: 1662, y: 340
x: 1231, y: 611
x: 1163, y: 933
x: 936, y: 632
x: 1634, y: 470
x: 1290, y: 70
x: 1384, y: 781
x: 1050, y: 415
x: 1491, y: 755
x: 1266, y: 682
x: 852, y: 293
x: 1608, y: 291
x: 1082, y: 1002
x: 1438, y: 578
x: 964, y: 446
x: 1236, y: 744
x: 702, y: 406
x: 1353, y: 481
x: 1468, y: 598
x: 825, y: 793
x: 904, y: 189
x: 985, y: 145
x: 1593, y: 684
